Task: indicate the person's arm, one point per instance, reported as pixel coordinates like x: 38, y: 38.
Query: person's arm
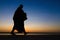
x: 25, y: 16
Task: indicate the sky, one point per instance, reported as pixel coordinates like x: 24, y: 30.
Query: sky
x: 43, y: 15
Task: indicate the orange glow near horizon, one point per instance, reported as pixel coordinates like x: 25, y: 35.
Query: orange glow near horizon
x: 30, y: 29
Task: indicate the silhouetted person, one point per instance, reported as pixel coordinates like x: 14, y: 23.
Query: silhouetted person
x: 19, y: 18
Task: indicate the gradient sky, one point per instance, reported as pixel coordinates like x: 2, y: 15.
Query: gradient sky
x: 43, y: 15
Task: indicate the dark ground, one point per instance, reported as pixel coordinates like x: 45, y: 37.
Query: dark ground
x: 30, y: 37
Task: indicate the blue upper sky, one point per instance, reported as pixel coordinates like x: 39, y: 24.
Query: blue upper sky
x: 38, y: 11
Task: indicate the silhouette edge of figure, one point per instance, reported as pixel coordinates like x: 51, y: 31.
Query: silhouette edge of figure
x: 19, y: 18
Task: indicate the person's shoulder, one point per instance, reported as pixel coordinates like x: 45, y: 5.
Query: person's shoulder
x: 25, y: 13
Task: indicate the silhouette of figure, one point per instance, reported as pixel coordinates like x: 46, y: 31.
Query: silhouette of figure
x: 19, y: 18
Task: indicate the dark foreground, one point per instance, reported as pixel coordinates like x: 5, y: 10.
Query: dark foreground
x: 30, y: 37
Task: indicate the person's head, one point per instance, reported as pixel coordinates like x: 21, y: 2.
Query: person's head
x: 21, y: 6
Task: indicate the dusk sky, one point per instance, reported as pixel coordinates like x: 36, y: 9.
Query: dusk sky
x: 43, y: 15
